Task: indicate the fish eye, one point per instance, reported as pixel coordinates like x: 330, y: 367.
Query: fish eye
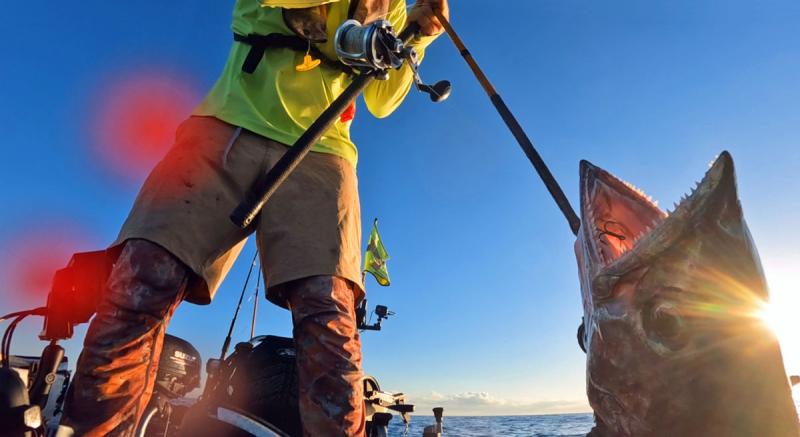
x: 662, y: 323
x: 603, y: 286
x: 666, y: 324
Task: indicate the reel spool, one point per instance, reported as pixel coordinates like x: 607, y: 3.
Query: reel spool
x: 369, y: 47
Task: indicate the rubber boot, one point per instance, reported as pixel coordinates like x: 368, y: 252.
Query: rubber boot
x: 116, y: 371
x: 328, y: 356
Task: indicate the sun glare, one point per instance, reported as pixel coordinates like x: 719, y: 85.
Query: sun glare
x: 782, y: 315
x: 770, y: 315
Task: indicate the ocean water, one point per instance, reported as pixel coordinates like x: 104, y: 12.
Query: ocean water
x: 556, y: 425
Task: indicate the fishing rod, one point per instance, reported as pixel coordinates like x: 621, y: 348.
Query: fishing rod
x: 255, y: 303
x: 527, y: 145
x: 227, y: 343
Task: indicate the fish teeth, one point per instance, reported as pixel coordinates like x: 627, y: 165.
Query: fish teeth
x: 597, y: 329
x: 636, y: 189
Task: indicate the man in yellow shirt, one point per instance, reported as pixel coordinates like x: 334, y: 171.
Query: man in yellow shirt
x: 178, y: 242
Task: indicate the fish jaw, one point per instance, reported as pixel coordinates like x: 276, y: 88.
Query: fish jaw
x: 673, y: 343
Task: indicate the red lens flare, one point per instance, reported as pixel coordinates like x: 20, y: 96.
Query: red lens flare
x: 135, y: 118
x: 29, y: 259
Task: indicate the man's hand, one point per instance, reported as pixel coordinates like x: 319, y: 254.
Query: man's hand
x: 423, y: 14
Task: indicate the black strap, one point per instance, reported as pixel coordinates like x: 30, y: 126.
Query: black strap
x: 260, y: 43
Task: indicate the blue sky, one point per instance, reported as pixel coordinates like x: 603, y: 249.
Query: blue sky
x: 484, y: 279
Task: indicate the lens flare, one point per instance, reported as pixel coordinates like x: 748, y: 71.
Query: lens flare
x: 769, y: 316
x: 29, y: 260
x: 134, y: 120
x: 781, y: 316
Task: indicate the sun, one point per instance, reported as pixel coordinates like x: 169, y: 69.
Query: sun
x: 782, y: 315
x: 777, y: 319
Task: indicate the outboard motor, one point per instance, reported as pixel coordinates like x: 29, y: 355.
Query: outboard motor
x: 178, y: 367
x: 256, y: 389
x: 252, y: 392
x: 261, y: 380
x: 178, y: 374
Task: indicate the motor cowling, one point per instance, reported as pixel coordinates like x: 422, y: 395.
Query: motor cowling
x: 265, y: 382
x: 178, y: 367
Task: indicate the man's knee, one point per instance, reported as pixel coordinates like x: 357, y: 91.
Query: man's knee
x: 149, y: 263
x: 145, y: 278
x: 325, y: 330
x: 319, y: 295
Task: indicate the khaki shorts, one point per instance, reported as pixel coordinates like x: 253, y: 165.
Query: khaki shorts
x: 311, y: 226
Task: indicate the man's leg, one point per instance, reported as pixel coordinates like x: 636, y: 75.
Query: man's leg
x: 116, y: 371
x: 328, y: 356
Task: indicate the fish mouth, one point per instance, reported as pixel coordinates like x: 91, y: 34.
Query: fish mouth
x: 622, y: 226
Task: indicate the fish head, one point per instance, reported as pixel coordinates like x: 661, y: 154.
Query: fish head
x: 674, y: 341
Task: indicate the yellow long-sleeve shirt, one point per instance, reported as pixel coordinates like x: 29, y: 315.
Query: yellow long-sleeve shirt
x: 279, y: 102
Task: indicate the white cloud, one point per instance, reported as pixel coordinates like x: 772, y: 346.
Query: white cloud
x: 484, y: 404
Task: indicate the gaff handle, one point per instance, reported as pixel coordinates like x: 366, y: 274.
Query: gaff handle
x: 263, y: 188
x: 519, y: 134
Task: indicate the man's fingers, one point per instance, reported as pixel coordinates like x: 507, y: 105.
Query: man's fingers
x: 427, y: 8
x: 424, y: 21
x: 427, y: 19
x: 428, y: 22
x: 424, y: 24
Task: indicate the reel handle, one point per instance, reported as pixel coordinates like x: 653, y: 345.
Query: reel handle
x: 438, y: 92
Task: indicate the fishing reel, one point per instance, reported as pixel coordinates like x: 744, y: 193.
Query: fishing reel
x: 368, y: 47
x: 375, y: 48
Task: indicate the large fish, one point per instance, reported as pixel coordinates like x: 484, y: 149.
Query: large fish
x: 674, y: 343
